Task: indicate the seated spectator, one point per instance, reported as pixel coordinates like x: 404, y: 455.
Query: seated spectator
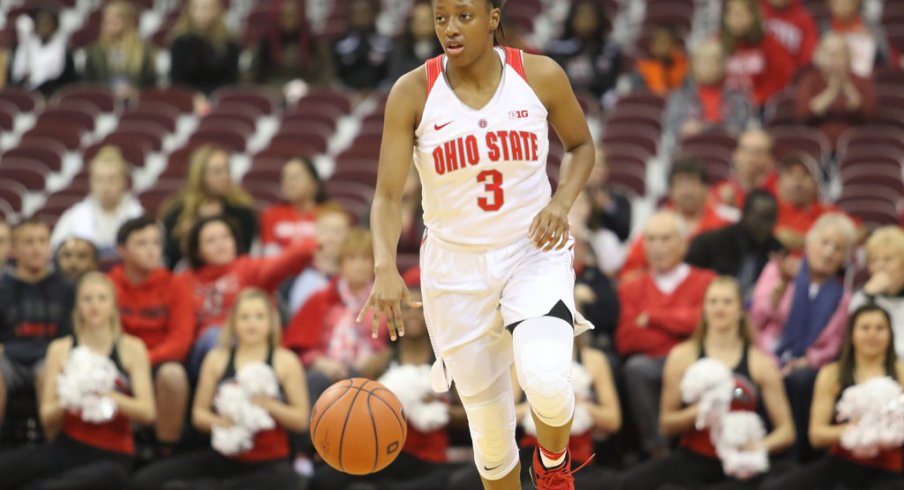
x: 281, y: 224
x: 799, y: 311
x: 6, y: 244
x: 885, y: 287
x: 37, y: 308
x: 832, y: 98
x: 799, y: 206
x: 286, y: 47
x: 157, y: 308
x: 251, y: 335
x: 325, y: 333
x: 121, y: 58
x: 217, y: 273
x: 362, y: 55
x: 41, y: 61
x: 705, y: 102
x: 333, y: 222
x: 743, y: 249
x: 594, y: 291
x: 88, y: 455
x: 416, y: 45
x: 203, y: 54
x: 868, y: 47
x: 107, y: 207
x: 659, y: 309
x: 423, y: 461
x: 791, y: 24
x: 688, y: 197
x: 76, y: 257
x: 209, y: 184
x: 666, y: 66
x: 723, y: 335
x: 757, y: 63
x: 591, y: 61
x: 753, y: 167
x: 868, y: 353
x: 610, y: 207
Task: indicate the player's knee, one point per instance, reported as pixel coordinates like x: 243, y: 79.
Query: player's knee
x: 492, y: 425
x: 546, y: 380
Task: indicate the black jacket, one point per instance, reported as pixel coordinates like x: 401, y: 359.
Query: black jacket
x: 33, y: 314
x: 722, y: 250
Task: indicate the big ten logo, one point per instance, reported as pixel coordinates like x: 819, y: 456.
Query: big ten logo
x: 517, y: 114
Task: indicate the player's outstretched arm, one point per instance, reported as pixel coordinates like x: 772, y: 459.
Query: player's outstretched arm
x: 396, y: 152
x: 551, y: 84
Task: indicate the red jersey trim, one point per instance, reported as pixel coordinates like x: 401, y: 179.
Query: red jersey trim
x: 514, y: 57
x: 434, y: 70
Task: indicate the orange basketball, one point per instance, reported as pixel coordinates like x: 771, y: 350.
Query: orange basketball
x: 358, y: 426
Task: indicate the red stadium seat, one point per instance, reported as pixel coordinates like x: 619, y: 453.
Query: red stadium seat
x: 181, y: 99
x: 69, y: 137
x: 222, y: 135
x: 100, y: 96
x: 135, y: 151
x: 12, y: 192
x: 30, y: 173
x: 160, y: 114
x: 263, y: 99
x: 48, y: 153
x: 23, y: 100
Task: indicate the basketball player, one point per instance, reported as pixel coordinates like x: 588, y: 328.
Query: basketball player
x: 497, y: 255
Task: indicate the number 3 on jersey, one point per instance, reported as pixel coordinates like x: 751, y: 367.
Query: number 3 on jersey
x: 492, y: 180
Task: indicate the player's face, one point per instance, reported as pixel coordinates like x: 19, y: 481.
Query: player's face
x: 252, y: 321
x: 722, y: 307
x: 464, y: 27
x: 95, y: 303
x: 871, y: 334
x: 217, y: 245
x: 143, y: 249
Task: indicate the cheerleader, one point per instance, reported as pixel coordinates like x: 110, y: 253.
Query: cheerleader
x: 93, y: 400
x: 864, y: 462
x: 754, y: 386
x: 250, y: 340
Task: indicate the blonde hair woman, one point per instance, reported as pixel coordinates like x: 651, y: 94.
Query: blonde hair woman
x: 208, y: 191
x: 251, y: 335
x: 88, y: 455
x: 120, y: 57
x: 203, y: 54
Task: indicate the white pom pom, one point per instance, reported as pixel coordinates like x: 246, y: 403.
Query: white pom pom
x: 83, y: 383
x: 258, y: 378
x: 411, y: 385
x: 878, y: 417
x: 709, y: 383
x: 231, y: 440
x: 738, y: 440
x: 426, y: 417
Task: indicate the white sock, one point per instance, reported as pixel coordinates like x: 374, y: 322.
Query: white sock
x: 549, y: 462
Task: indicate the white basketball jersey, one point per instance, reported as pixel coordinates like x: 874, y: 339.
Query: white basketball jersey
x: 483, y: 171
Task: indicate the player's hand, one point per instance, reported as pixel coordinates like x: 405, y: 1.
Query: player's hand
x: 386, y: 297
x: 549, y: 230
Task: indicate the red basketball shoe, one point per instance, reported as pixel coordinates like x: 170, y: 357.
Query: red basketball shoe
x: 559, y: 478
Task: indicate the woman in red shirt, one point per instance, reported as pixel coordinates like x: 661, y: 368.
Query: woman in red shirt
x: 757, y: 62
x: 251, y: 336
x: 217, y: 275
x: 88, y: 455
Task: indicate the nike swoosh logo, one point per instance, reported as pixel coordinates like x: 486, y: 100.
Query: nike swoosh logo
x: 493, y: 468
x: 437, y: 127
